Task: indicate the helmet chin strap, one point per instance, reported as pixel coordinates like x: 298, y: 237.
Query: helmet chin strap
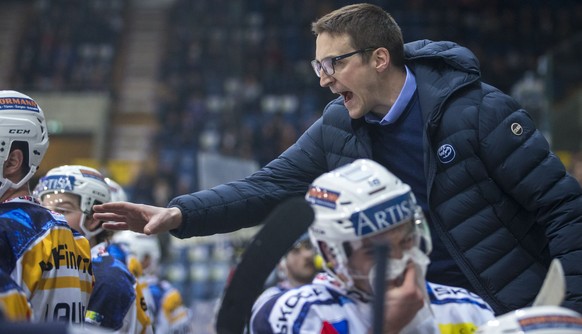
x: 7, y: 184
x: 4, y: 186
x: 88, y: 233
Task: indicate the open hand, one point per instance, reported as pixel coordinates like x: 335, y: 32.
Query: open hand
x: 139, y: 218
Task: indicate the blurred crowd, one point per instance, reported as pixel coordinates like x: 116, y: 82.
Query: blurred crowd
x: 69, y: 45
x: 235, y: 76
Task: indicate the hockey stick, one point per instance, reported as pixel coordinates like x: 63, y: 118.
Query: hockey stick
x: 280, y: 231
x: 553, y: 289
x: 381, y: 255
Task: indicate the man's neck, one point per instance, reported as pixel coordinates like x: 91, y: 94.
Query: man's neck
x: 390, y: 90
x: 15, y: 193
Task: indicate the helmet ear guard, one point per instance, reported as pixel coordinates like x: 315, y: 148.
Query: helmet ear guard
x: 326, y: 255
x: 421, y: 225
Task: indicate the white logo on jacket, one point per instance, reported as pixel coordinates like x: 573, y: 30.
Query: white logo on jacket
x: 446, y: 153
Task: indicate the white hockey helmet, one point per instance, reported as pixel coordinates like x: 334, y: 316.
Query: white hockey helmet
x: 21, y: 120
x: 357, y: 201
x: 116, y: 190
x: 535, y: 320
x: 145, y: 247
x: 83, y: 181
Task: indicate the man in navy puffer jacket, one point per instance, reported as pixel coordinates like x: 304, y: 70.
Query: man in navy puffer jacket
x: 500, y: 203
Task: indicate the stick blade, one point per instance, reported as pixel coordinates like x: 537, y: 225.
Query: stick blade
x: 553, y: 289
x: 281, y: 229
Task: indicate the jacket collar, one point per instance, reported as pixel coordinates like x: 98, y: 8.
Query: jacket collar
x: 441, y: 68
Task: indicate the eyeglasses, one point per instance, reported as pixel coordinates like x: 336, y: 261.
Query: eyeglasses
x: 328, y: 64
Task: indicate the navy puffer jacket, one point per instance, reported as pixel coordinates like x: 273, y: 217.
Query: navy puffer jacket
x: 500, y: 200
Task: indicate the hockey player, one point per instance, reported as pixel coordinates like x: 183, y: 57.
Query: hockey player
x: 357, y: 207
x: 40, y: 252
x: 171, y: 315
x: 296, y: 268
x: 72, y: 191
x: 547, y: 319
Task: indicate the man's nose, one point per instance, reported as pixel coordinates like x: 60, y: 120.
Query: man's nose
x: 324, y: 79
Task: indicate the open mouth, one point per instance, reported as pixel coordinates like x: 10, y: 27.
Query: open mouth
x: 347, y: 96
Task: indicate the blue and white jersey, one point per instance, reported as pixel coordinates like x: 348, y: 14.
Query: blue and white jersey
x: 273, y: 290
x: 172, y: 315
x: 323, y: 307
x: 47, y: 259
x: 457, y: 310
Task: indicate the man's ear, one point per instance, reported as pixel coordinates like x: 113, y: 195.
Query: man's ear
x: 381, y: 59
x: 13, y: 164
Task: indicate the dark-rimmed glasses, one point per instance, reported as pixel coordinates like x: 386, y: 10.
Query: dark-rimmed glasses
x: 328, y: 64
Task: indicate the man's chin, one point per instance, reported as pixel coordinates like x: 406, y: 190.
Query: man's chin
x: 355, y: 114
